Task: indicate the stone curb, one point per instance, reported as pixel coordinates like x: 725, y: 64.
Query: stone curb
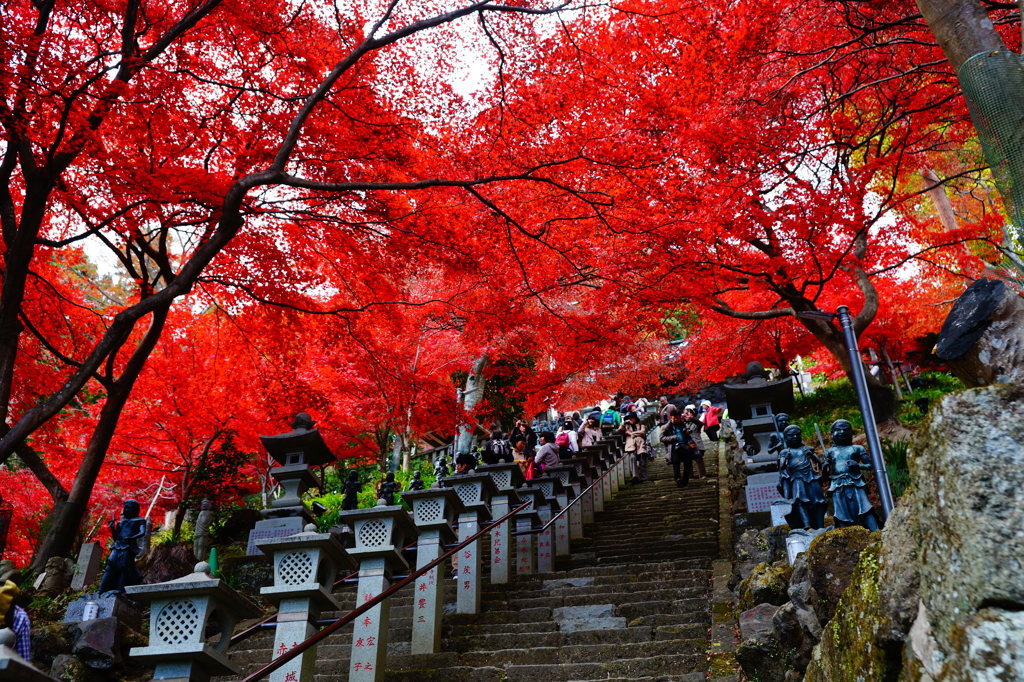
x: 722, y: 659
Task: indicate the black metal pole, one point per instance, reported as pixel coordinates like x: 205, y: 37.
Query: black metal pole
x: 860, y: 383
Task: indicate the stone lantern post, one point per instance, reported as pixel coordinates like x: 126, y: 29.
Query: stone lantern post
x: 526, y: 520
x: 587, y: 476
x: 305, y: 568
x: 380, y: 533
x: 507, y: 477
x: 557, y: 499
x: 434, y: 511
x: 475, y: 491
x: 179, y: 613
x: 571, y: 484
x: 295, y: 452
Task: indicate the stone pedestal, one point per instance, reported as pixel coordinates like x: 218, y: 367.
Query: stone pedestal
x: 571, y: 483
x: 305, y: 568
x: 587, y: 475
x: 180, y: 612
x: 380, y: 534
x: 433, y: 510
x: 109, y: 605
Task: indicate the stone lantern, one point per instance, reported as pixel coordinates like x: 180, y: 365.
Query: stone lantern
x: 525, y: 521
x: 434, y: 511
x: 295, y: 452
x: 179, y: 613
x: 305, y: 568
x: 507, y: 477
x: 475, y: 491
x: 380, y: 533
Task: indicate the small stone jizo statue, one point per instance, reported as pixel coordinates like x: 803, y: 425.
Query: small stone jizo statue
x: 417, y: 482
x: 352, y: 489
x: 844, y: 463
x: 129, y: 540
x: 799, y: 483
x: 201, y: 542
x: 388, y: 489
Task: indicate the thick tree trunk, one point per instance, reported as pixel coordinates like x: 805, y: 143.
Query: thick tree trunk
x: 471, y: 396
x: 60, y: 538
x: 961, y: 27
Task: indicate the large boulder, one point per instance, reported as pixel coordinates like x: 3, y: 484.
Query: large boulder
x: 167, y: 562
x: 759, y: 653
x: 967, y: 471
x: 767, y: 584
x: 849, y: 647
x: 831, y: 559
x: 898, y: 577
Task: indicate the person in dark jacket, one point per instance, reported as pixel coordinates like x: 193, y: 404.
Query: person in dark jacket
x: 676, y: 436
x: 524, y: 430
x: 693, y: 426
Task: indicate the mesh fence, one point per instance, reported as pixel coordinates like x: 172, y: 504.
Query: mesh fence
x: 993, y: 83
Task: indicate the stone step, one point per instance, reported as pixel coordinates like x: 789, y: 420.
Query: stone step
x: 631, y: 669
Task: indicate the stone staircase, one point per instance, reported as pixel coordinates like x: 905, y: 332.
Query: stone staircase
x: 641, y: 577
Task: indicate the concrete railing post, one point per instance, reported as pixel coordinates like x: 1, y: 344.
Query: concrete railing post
x: 475, y: 491
x: 587, y: 476
x: 434, y: 512
x: 380, y: 534
x: 507, y: 477
x: 179, y: 613
x: 305, y: 568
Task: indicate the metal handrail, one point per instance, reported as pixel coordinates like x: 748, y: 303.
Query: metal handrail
x: 255, y: 627
x: 366, y: 606
x: 534, y: 531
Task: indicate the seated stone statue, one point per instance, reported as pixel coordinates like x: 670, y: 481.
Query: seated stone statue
x: 799, y: 483
x: 844, y: 463
x: 388, y: 489
x: 352, y: 489
x: 129, y: 540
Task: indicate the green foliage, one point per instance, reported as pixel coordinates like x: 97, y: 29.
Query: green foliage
x: 371, y: 477
x: 681, y: 322
x: 838, y: 400
x: 899, y: 479
x: 835, y: 400
x: 165, y: 536
x: 895, y: 452
x: 938, y: 385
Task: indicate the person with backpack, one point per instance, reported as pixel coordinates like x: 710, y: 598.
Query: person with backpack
x: 567, y: 440
x: 497, y: 448
x: 610, y: 420
x: 636, y: 446
x: 712, y: 420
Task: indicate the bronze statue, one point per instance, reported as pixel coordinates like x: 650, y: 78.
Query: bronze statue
x: 352, y: 489
x: 799, y: 483
x: 417, y: 482
x: 776, y: 440
x: 844, y: 463
x: 440, y: 468
x: 129, y: 538
x: 388, y: 489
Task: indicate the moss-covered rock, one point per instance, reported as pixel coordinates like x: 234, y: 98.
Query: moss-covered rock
x: 831, y: 560
x: 850, y: 647
x: 759, y: 653
x: 767, y: 584
x: 967, y: 470
x: 987, y: 645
